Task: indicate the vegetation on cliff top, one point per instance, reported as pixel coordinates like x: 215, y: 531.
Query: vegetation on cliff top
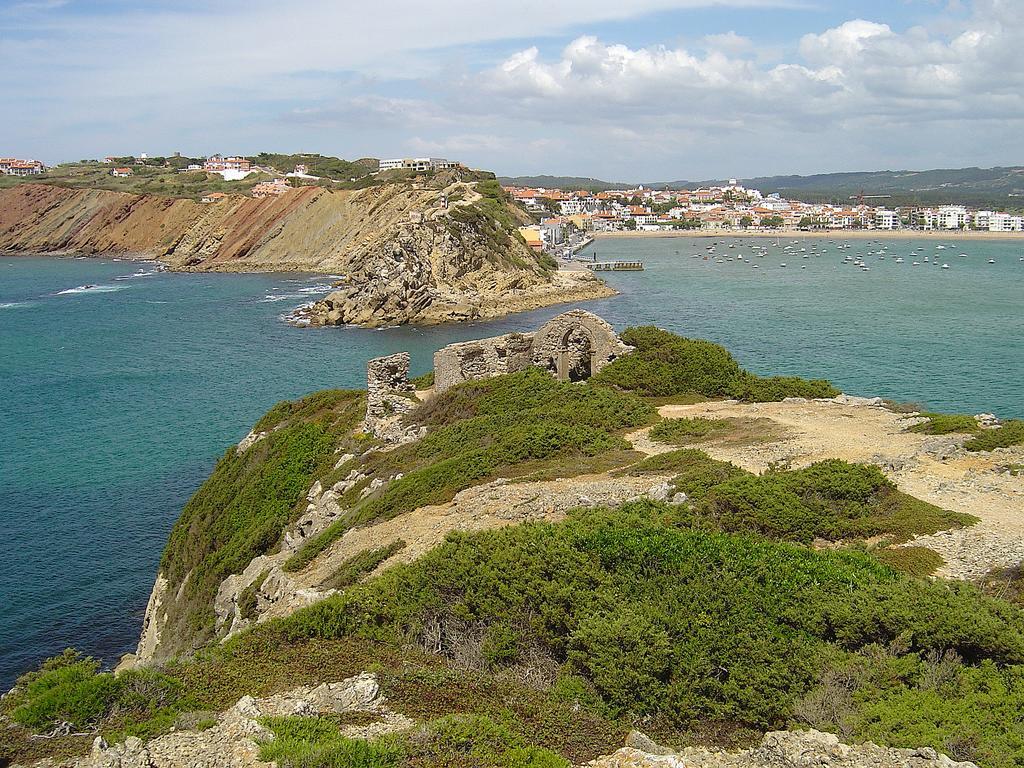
x: 665, y: 364
x: 523, y: 423
x: 619, y: 614
x: 241, y: 511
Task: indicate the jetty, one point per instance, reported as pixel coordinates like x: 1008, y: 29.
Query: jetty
x: 615, y: 266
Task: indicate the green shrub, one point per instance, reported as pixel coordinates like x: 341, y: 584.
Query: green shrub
x: 70, y: 688
x: 944, y: 423
x: 889, y: 696
x: 315, y: 742
x: 661, y: 620
x: 1009, y: 434
x: 914, y: 561
x: 696, y: 472
x: 354, y: 568
x: 763, y: 389
x: 479, y: 740
x: 245, y: 504
x: 424, y: 381
x: 830, y: 499
x: 485, y: 429
x: 248, y: 602
x: 666, y: 365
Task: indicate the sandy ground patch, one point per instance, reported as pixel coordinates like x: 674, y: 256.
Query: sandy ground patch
x: 933, y: 468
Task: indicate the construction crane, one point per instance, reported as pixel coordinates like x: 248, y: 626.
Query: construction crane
x: 860, y: 197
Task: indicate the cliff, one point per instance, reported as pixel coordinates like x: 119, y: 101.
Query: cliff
x: 406, y: 254
x: 530, y: 568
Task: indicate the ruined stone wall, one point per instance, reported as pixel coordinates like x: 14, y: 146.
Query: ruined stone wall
x: 573, y: 346
x: 482, y: 358
x: 388, y: 394
x: 576, y: 344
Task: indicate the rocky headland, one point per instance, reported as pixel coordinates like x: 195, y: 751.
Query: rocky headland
x: 282, y: 601
x: 420, y: 251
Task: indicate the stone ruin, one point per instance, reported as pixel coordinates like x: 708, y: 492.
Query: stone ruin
x: 389, y: 395
x: 572, y: 346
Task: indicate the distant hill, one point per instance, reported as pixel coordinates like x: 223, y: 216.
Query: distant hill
x: 563, y: 182
x: 973, y: 186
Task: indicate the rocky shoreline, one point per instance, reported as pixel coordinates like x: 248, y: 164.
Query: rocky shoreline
x: 371, y: 305
x: 422, y: 252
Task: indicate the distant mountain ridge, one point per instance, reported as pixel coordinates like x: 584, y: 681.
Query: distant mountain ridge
x: 974, y: 186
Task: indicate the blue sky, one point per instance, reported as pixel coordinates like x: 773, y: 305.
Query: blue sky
x: 644, y: 90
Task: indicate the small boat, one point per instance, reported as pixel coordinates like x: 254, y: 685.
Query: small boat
x: 782, y: 264
x: 915, y: 264
x: 899, y: 259
x: 963, y: 255
x: 991, y: 261
x: 945, y: 266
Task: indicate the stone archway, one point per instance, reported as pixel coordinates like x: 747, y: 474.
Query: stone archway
x: 575, y: 355
x: 575, y: 345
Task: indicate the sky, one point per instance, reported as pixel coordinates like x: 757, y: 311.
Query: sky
x: 624, y: 90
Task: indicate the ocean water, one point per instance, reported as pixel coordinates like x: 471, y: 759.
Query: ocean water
x: 118, y: 399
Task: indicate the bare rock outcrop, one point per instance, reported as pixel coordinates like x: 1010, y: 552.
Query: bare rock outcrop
x: 406, y: 256
x: 234, y: 740
x: 778, y: 749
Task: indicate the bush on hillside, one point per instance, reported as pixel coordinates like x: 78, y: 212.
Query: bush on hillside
x: 665, y: 364
x: 245, y: 504
x: 1009, y: 434
x: 488, y: 428
x: 945, y: 423
x: 665, y: 621
x: 70, y: 689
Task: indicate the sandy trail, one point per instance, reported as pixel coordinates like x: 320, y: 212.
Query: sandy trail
x: 933, y: 468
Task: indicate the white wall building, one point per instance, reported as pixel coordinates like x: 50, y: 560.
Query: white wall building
x: 951, y: 217
x: 885, y: 219
x: 417, y: 164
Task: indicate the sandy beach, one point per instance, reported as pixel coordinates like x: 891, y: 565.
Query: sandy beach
x: 833, y: 234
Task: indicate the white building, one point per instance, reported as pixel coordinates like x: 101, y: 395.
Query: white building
x: 951, y: 217
x: 417, y: 164
x: 1005, y: 222
x: 885, y: 219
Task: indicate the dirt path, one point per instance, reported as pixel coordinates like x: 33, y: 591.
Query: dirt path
x: 935, y: 469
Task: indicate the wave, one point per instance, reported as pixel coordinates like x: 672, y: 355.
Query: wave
x: 89, y: 289
x: 15, y: 304
x: 270, y: 298
x: 316, y: 289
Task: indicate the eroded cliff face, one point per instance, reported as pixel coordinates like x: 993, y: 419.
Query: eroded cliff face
x: 406, y: 256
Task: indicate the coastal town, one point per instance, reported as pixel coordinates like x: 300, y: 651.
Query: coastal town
x: 567, y: 218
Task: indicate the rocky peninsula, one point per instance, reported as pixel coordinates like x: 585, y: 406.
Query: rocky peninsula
x: 424, y: 250
x: 571, y: 547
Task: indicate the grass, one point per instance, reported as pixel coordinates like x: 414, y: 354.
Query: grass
x: 946, y: 423
x: 354, y: 568
x: 1011, y: 433
x: 726, y: 431
x: 523, y: 423
x: 666, y: 365
x: 242, y: 509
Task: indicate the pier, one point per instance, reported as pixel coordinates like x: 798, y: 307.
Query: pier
x: 615, y: 266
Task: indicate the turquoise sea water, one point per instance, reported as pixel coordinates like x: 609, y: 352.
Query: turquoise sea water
x: 118, y: 399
